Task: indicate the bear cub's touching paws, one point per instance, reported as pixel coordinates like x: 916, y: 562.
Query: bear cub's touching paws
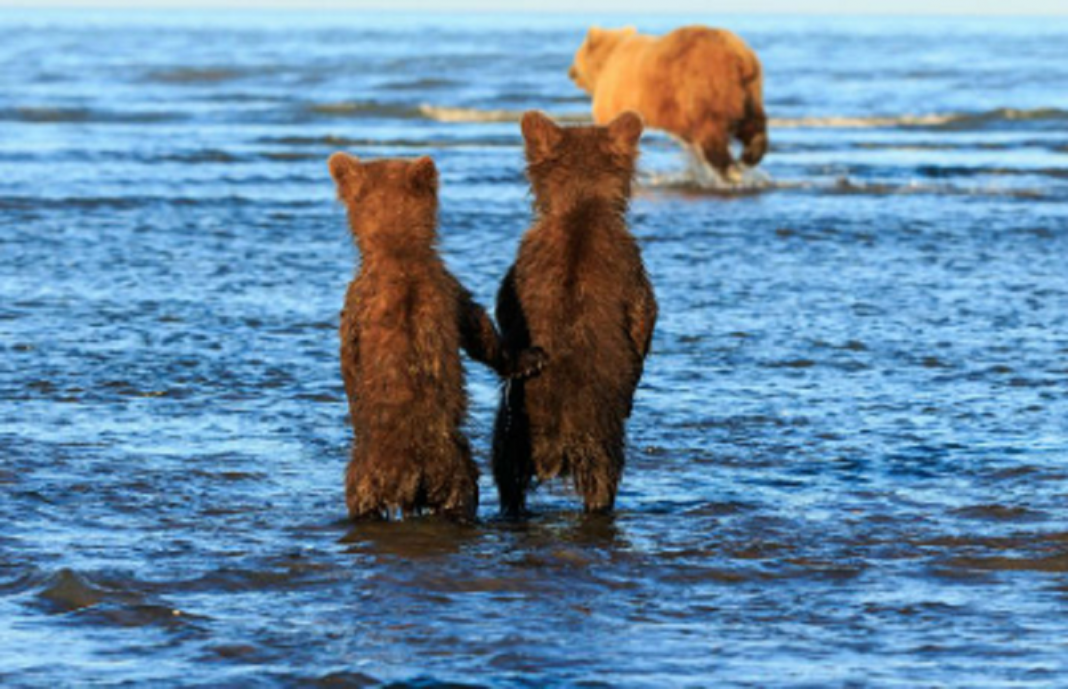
x: 528, y: 364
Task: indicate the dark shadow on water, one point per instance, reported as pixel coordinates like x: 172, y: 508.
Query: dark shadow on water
x: 431, y: 683
x: 599, y: 531
x: 429, y: 538
x: 686, y: 189
x: 424, y: 537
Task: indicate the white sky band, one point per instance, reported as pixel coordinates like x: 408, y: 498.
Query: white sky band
x: 702, y: 8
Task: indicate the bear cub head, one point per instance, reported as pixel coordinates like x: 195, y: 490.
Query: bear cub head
x: 390, y: 202
x: 568, y: 166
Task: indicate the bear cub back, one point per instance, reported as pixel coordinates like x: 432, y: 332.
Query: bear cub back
x: 404, y: 321
x: 579, y: 290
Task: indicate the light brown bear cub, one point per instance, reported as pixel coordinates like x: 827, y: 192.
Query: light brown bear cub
x: 579, y: 290
x: 701, y: 84
x: 404, y: 322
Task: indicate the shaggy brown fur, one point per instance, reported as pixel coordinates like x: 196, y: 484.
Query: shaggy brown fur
x: 579, y: 290
x: 405, y: 319
x: 703, y: 85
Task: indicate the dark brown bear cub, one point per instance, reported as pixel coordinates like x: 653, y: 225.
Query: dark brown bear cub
x: 579, y: 290
x: 404, y: 322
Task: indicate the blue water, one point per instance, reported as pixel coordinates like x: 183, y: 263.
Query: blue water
x: 848, y: 460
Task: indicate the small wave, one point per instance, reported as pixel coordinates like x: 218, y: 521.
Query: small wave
x: 327, y: 140
x: 747, y: 181
x: 757, y: 182
x: 998, y: 512
x: 242, y: 98
x: 422, y: 84
x: 331, y: 141
x: 698, y: 175
x: 944, y: 171
x: 447, y: 114
x: 440, y: 113
x: 95, y: 203
x: 1013, y: 115
x: 47, y: 115
x: 1056, y: 563
x: 289, y: 157
x: 955, y: 121
x: 193, y: 75
x: 847, y: 186
x: 842, y: 122
x: 366, y: 109
x: 201, y: 157
x: 24, y: 203
x: 951, y: 121
x: 944, y: 145
x: 50, y: 115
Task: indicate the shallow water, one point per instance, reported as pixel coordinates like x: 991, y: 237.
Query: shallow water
x: 847, y: 460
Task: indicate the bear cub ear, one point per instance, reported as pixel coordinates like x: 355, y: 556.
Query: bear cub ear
x: 625, y: 131
x: 541, y: 135
x: 423, y: 175
x: 348, y: 173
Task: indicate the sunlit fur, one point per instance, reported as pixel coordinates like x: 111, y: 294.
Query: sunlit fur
x: 402, y: 327
x: 703, y: 85
x: 579, y: 290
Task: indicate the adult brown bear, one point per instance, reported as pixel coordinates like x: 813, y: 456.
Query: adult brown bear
x: 404, y: 322
x: 579, y: 291
x: 701, y: 84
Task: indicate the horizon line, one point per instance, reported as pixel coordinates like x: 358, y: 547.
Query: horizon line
x: 205, y: 6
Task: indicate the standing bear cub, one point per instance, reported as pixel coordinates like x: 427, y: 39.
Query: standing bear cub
x: 404, y: 322
x: 579, y: 290
x: 701, y: 84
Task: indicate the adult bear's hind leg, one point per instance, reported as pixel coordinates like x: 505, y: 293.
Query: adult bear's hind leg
x: 753, y: 133
x: 712, y: 141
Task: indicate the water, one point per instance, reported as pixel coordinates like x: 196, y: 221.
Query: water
x: 847, y: 460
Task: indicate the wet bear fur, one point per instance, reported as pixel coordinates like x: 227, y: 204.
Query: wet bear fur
x: 579, y: 290
x: 404, y: 322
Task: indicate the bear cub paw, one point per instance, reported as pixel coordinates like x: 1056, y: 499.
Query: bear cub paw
x: 528, y: 363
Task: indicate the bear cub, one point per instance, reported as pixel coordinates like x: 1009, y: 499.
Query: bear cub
x: 404, y: 321
x: 579, y: 290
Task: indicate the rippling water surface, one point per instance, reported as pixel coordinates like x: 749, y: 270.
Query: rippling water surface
x: 848, y: 460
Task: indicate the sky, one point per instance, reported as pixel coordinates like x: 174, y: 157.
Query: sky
x: 895, y: 7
